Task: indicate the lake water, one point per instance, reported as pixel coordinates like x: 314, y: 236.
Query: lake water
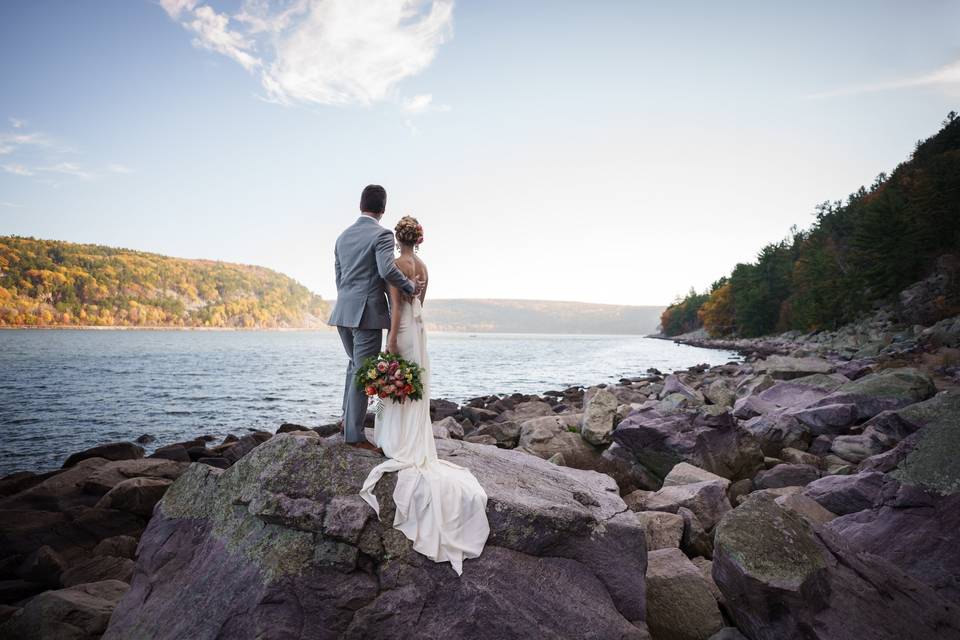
x: 64, y: 391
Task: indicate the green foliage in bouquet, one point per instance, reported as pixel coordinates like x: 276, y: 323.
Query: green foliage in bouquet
x: 387, y: 375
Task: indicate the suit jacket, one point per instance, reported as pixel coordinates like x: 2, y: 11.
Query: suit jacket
x: 364, y: 264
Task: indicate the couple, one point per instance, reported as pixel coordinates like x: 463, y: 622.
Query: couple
x: 441, y: 507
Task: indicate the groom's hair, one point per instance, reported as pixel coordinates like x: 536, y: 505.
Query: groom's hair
x: 373, y: 199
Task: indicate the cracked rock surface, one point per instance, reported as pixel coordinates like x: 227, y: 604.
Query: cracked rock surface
x: 280, y: 545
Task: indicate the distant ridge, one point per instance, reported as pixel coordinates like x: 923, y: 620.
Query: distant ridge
x: 539, y: 316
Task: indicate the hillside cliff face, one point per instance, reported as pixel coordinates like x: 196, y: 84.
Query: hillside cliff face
x: 52, y: 283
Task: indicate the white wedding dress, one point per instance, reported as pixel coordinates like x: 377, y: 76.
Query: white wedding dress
x: 441, y: 507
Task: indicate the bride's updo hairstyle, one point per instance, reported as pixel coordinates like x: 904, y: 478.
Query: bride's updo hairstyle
x: 409, y: 231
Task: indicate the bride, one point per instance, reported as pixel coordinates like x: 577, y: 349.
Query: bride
x: 441, y: 507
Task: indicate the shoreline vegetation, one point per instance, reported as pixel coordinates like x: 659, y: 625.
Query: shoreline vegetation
x: 858, y: 254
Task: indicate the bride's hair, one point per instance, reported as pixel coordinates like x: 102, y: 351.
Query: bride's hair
x: 409, y: 231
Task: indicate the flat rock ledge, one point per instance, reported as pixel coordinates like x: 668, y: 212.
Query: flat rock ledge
x: 281, y: 546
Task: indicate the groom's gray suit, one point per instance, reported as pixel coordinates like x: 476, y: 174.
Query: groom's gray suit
x: 364, y: 263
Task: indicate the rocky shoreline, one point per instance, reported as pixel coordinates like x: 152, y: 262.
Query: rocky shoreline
x: 811, y: 491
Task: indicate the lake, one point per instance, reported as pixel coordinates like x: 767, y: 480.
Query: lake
x: 62, y: 391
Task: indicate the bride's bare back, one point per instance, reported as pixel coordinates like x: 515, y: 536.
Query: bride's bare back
x: 416, y: 269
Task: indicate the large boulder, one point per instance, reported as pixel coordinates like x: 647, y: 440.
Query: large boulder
x: 777, y: 430
x: 684, y: 473
x: 109, y: 475
x: 676, y: 385
x: 707, y: 500
x: 680, y: 605
x: 75, y: 613
x: 136, y: 495
x: 598, y: 417
x: 98, y: 568
x: 281, y: 545
x: 876, y: 392
x: 927, y: 458
x: 547, y: 437
x: 849, y: 494
x: 108, y: 451
x: 786, y: 475
x: 663, y: 530
x: 788, y: 368
x: 915, y: 530
x: 782, y: 577
x: 710, y: 441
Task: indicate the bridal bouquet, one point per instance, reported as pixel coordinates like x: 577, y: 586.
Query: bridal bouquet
x: 387, y: 375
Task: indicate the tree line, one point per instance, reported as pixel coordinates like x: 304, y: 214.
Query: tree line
x: 53, y: 283
x: 858, y: 252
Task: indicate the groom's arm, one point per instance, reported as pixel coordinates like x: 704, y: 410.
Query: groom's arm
x: 388, y: 269
x: 336, y: 265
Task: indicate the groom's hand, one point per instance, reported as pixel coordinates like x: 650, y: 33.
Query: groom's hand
x: 418, y: 285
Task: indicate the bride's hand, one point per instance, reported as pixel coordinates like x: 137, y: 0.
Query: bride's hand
x: 392, y: 346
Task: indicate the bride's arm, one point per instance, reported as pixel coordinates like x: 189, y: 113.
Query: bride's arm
x: 426, y: 281
x: 396, y: 298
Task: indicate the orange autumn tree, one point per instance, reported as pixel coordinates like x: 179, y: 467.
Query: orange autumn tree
x: 718, y: 314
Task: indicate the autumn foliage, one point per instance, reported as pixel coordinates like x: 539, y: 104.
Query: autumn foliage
x: 51, y: 283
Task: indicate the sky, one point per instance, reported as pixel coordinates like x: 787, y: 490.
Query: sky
x: 612, y: 152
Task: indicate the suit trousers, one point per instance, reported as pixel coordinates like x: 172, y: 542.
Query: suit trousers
x: 359, y: 344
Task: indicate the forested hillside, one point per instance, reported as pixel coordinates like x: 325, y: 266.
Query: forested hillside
x: 46, y: 282
x: 857, y: 253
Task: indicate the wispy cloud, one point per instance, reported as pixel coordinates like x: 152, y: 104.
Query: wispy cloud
x: 330, y: 52
x: 947, y: 76
x: 35, y: 155
x: 423, y: 103
x: 10, y: 205
x: 17, y: 169
x: 67, y: 168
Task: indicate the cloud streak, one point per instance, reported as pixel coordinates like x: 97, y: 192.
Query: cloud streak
x: 945, y: 77
x: 35, y: 155
x: 328, y: 52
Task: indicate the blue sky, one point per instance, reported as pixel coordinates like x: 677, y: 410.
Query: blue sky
x: 614, y: 152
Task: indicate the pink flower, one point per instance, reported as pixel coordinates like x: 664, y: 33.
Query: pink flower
x: 381, y: 366
x: 394, y: 366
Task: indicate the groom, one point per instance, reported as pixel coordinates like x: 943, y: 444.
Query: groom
x: 364, y: 264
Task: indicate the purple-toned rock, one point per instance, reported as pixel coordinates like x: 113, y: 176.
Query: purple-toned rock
x: 914, y: 530
x: 827, y: 418
x: 440, y: 409
x: 802, y: 392
x: 786, y: 475
x: 877, y: 392
x: 928, y: 457
x: 849, y: 494
x: 775, y: 431
x: 674, y: 384
x: 712, y: 442
x: 254, y: 551
x: 781, y: 577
